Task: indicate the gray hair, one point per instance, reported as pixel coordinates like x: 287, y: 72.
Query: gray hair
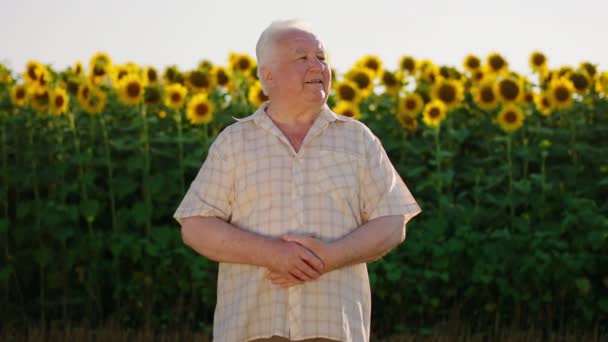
x: 264, y: 46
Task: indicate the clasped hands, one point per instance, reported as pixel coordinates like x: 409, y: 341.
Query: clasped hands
x: 299, y: 259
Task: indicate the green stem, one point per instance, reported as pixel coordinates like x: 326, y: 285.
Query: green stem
x: 180, y: 145
x: 83, y: 189
x: 110, y: 167
x: 543, y: 177
x: 510, y: 166
x: 438, y: 166
x: 146, y: 172
x: 5, y: 201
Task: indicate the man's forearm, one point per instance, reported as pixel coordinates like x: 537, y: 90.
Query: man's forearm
x: 368, y: 242
x: 222, y: 242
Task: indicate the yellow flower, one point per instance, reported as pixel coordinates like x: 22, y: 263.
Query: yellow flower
x: 199, y: 109
x: 349, y: 109
x: 150, y: 76
x: 118, y: 73
x: 560, y: 93
x: 479, y: 75
x: 430, y: 73
x: 410, y: 123
x: 509, y: 89
x: 162, y: 114
x: 411, y: 104
x: 601, y: 85
x: 172, y: 75
x: 450, y: 92
x: 19, y: 95
x: 363, y: 78
x: 131, y: 89
x: 510, y: 118
x: 96, y: 101
x: 408, y: 64
x: 471, y: 63
x: 78, y: 69
x: 496, y: 63
x: 100, y: 67
x: 33, y: 69
x: 590, y: 69
x: 199, y: 81
x: 59, y: 101
x: 220, y: 76
x: 392, y: 81
x: 347, y: 91
x: 371, y: 63
x: 5, y: 75
x: 434, y: 113
x: 39, y: 99
x: 485, y: 96
x: 543, y: 104
x: 529, y: 97
x: 256, y: 94
x: 175, y: 94
x: 581, y: 81
x: 538, y: 61
x: 84, y: 92
x: 241, y: 62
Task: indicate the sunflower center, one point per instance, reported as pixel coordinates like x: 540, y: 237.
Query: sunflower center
x: 473, y: 62
x: 31, y: 71
x: 199, y: 79
x: 510, y: 117
x: 408, y: 64
x: 201, y: 109
x: 389, y: 79
x: 85, y: 93
x: 152, y: 75
x: 561, y: 93
x: 538, y: 59
x: 434, y: 113
x: 99, y: 71
x: 509, y: 89
x: 487, y: 95
x: 121, y: 74
x: 410, y: 104
x: 176, y: 97
x: 20, y: 93
x: 579, y: 81
x: 529, y: 97
x: 362, y: 80
x: 243, y: 64
x: 222, y: 78
x: 590, y: 68
x: 133, y: 89
x: 346, y: 93
x: 496, y: 62
x: 447, y: 93
x: 59, y: 100
x: 545, y: 102
x: 372, y: 64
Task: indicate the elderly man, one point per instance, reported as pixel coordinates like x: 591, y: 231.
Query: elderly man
x: 293, y: 201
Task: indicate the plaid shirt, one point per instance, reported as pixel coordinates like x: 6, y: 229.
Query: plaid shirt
x: 339, y: 179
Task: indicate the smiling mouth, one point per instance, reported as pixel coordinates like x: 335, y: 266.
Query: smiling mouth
x: 315, y: 82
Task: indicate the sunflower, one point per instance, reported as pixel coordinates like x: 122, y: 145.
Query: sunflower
x: 371, y: 63
x: 59, y: 101
x: 450, y: 92
x: 560, y: 93
x: 347, y: 91
x: 150, y: 76
x: 411, y: 104
x: 510, y: 118
x: 590, y: 69
x: 162, y: 114
x: 19, y: 95
x: 509, y: 89
x: 538, y: 61
x: 96, y: 101
x: 100, y: 67
x: 349, y: 109
x: 205, y: 65
x: 434, y: 113
x: 33, y: 69
x: 39, y: 99
x: 84, y: 92
x: 118, y: 73
x: 199, y: 109
x: 5, y: 75
x: 565, y: 71
x: 152, y: 95
x: 42, y: 79
x: 601, y: 84
x: 220, y: 76
x: 543, y: 104
x: 174, y: 95
x: 363, y: 78
x: 484, y: 95
x: 199, y: 81
x: 392, y: 81
x: 529, y: 96
x: 240, y: 62
x: 131, y: 89
x: 479, y: 74
x: 78, y: 69
x: 407, y: 64
x: 471, y: 63
x: 430, y: 73
x: 410, y: 123
x: 172, y: 75
x: 496, y: 63
x: 256, y: 94
x: 581, y: 81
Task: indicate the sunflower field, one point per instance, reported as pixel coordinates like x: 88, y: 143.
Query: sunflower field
x: 511, y: 172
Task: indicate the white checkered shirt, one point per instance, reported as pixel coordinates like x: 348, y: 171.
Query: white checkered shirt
x: 339, y: 179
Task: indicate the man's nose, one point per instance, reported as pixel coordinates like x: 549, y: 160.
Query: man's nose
x: 316, y: 64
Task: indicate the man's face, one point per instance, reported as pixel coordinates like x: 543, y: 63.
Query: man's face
x: 300, y: 73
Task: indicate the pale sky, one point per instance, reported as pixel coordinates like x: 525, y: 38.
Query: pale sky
x: 183, y: 32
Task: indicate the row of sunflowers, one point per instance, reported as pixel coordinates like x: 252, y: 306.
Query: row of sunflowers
x: 417, y: 86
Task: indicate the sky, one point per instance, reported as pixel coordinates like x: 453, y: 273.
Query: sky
x: 184, y: 32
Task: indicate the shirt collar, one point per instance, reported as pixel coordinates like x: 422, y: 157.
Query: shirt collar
x: 259, y: 116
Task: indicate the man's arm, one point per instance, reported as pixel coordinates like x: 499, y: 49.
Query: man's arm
x: 367, y: 243
x: 222, y: 242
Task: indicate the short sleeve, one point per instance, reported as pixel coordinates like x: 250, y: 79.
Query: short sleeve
x: 383, y: 192
x: 211, y: 193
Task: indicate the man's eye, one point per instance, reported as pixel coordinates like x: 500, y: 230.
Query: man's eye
x: 304, y: 57
x: 321, y: 58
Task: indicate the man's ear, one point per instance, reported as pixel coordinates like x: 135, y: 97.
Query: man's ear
x: 266, y: 75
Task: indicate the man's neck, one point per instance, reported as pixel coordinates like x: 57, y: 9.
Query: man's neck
x: 290, y: 116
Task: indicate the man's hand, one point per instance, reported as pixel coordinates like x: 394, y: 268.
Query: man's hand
x: 318, y: 248
x: 292, y: 264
